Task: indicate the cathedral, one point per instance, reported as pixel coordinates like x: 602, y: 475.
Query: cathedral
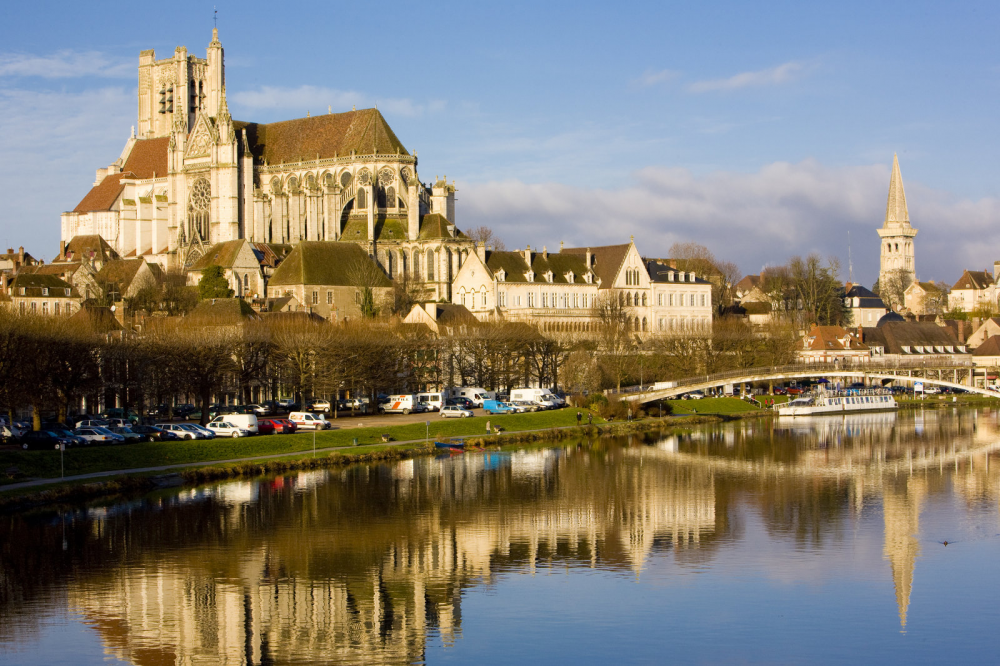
x: 191, y: 176
x: 896, y: 234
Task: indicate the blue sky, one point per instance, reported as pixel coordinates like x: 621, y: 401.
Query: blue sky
x: 759, y: 131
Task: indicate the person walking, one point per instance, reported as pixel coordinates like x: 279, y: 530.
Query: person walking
x: 579, y: 418
x: 487, y: 427
x: 590, y: 419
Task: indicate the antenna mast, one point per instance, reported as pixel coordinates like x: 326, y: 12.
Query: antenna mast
x: 850, y: 265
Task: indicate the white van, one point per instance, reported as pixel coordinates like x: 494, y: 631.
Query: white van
x: 434, y: 400
x: 474, y: 393
x: 399, y: 404
x: 540, y: 396
x: 246, y: 421
x: 309, y: 421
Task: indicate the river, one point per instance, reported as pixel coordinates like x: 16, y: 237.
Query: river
x: 871, y: 538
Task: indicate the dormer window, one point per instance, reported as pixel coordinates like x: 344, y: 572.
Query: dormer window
x: 570, y: 277
x: 530, y: 276
x: 670, y: 276
x: 906, y: 349
x: 548, y: 276
x: 589, y: 278
x: 45, y: 291
x: 66, y: 289
x: 501, y: 275
x: 22, y: 291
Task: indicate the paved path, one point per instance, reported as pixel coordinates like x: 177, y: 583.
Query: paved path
x: 34, y: 483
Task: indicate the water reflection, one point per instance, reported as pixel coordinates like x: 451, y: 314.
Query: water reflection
x: 369, y: 563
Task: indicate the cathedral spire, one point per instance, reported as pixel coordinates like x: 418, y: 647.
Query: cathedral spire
x: 895, y: 210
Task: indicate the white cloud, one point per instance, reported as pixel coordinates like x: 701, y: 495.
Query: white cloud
x: 652, y: 78
x: 765, y: 77
x: 66, y: 64
x: 317, y: 99
x: 752, y: 219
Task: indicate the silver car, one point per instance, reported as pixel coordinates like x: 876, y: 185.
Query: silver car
x: 455, y: 412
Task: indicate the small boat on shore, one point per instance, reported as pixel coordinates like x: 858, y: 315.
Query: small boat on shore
x: 839, y: 402
x: 449, y: 445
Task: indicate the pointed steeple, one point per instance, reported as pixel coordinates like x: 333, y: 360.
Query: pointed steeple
x: 895, y: 210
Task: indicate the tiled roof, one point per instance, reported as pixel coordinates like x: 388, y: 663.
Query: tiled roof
x: 221, y: 254
x: 222, y: 311
x: 514, y: 266
x: 321, y: 263
x: 608, y: 260
x: 271, y: 254
x: 450, y: 314
x: 93, y: 246
x: 974, y: 280
x: 103, y: 195
x: 831, y: 338
x: 434, y: 225
x: 511, y: 263
x: 120, y: 271
x: 148, y: 158
x: 97, y: 319
x: 990, y: 347
x: 323, y: 136
x: 746, y: 284
x: 33, y: 284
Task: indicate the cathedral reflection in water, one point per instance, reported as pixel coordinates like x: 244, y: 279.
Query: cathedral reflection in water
x: 368, y: 563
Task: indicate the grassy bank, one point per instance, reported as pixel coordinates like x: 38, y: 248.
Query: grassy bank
x: 711, y: 406
x: 87, y: 460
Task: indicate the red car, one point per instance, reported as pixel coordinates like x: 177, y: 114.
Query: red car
x: 275, y: 426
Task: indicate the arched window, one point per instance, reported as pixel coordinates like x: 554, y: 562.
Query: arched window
x: 293, y: 185
x: 430, y: 264
x: 390, y: 197
x: 361, y: 200
x: 621, y: 298
x: 628, y: 299
x: 416, y: 264
x: 388, y: 263
x: 644, y: 300
x: 198, y: 208
x: 246, y: 283
x: 644, y: 324
x: 402, y: 261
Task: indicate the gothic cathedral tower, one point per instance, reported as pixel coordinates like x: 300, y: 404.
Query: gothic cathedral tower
x: 896, y: 232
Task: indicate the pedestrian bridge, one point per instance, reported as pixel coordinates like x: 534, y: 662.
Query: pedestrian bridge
x: 953, y: 375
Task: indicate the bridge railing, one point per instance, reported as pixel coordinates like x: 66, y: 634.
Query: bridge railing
x: 799, y: 368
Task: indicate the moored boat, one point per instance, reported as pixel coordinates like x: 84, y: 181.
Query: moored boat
x: 838, y: 402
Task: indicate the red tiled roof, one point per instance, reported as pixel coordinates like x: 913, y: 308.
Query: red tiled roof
x: 148, y: 158
x: 102, y: 196
x: 974, y: 280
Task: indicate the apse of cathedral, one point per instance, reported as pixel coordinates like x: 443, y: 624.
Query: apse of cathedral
x: 190, y: 176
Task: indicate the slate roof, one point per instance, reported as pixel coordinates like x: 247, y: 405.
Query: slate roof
x: 866, y: 298
x: 323, y: 136
x: 893, y: 336
x: 221, y: 254
x: 271, y: 254
x: 974, y: 280
x: 97, y: 319
x: 321, y: 263
x: 659, y: 272
x: 435, y: 225
x: 608, y: 260
x: 515, y: 266
x: 990, y: 347
x: 33, y: 284
x: 222, y: 311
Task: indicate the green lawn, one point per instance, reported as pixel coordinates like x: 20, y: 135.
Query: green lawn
x: 45, y: 464
x: 712, y: 406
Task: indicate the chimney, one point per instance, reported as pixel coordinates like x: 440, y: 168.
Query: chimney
x: 560, y: 246
x: 545, y: 252
x: 20, y: 254
x: 861, y: 334
x: 62, y: 250
x: 527, y: 256
x: 590, y: 258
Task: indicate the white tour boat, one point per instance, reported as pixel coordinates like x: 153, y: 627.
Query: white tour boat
x: 838, y: 403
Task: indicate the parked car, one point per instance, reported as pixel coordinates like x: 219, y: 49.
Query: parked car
x: 319, y: 406
x: 259, y: 410
x: 693, y: 395
x: 464, y: 403
x: 309, y: 421
x: 199, y: 429
x: 118, y: 423
x: 62, y: 431
x: 497, y: 407
x: 525, y: 406
x: 98, y: 435
x: 184, y: 410
x: 118, y: 413
x: 227, y: 429
x: 127, y: 433
x: 455, y: 412
x: 154, y: 434
x: 246, y: 421
x: 276, y: 426
x: 42, y: 439
x: 178, y: 430
x: 93, y: 423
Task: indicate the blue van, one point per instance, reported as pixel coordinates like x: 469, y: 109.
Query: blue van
x: 498, y: 407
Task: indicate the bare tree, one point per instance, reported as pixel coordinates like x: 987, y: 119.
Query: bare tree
x: 892, y: 287
x: 487, y: 238
x: 616, y: 343
x: 818, y: 290
x: 366, y: 276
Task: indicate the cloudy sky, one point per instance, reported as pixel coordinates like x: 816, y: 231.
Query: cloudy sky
x: 762, y: 130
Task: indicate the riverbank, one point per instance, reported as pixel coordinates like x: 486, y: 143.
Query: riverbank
x: 32, y: 477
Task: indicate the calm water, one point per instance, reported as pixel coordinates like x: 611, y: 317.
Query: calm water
x: 816, y: 541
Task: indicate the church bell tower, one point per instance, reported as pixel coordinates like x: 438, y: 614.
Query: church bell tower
x: 896, y: 233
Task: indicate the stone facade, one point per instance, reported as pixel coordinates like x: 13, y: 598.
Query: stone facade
x: 193, y: 177
x: 896, y: 233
